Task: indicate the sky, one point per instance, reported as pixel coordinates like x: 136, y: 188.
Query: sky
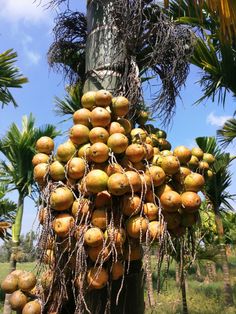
x: 26, y: 26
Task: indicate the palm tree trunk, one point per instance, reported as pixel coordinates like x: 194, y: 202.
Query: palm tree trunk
x: 183, y: 291
x: 148, y: 270
x: 104, y: 58
x: 16, y: 230
x: 177, y: 274
x: 228, y: 293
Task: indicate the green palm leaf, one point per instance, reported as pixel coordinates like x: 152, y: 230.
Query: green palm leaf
x: 10, y: 77
x: 227, y: 134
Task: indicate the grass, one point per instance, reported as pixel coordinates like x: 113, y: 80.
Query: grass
x: 4, y: 270
x: 202, y: 297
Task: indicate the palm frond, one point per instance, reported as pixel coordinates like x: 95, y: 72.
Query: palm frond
x: 72, y: 101
x: 227, y: 133
x: 18, y: 148
x: 10, y: 77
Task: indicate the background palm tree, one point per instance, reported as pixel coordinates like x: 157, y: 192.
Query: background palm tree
x: 10, y: 77
x: 214, y: 55
x: 218, y: 199
x: 17, y: 147
x: 227, y: 133
x: 7, y: 213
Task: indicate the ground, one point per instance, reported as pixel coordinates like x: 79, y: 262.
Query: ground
x: 203, y: 297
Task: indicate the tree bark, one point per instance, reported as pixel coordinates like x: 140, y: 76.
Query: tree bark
x: 16, y: 230
x: 104, y: 58
x: 149, y: 283
x: 177, y: 274
x: 228, y: 293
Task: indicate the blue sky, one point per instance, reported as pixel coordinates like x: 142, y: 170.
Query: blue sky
x: 26, y: 26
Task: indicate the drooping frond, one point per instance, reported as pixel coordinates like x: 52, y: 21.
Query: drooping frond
x: 227, y: 133
x: 67, y: 53
x: 10, y: 77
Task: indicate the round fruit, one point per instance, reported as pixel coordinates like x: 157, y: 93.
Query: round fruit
x: 62, y: 224
x: 136, y: 226
x: 83, y: 151
x: 79, y: 134
x: 171, y: 201
x: 97, y: 277
x: 40, y: 158
x: 10, y: 283
x: 93, y: 237
x: 81, y: 207
x: 98, y: 254
x: 120, y: 106
x: 157, y: 175
x: 40, y: 172
x: 100, y: 117
x: 198, y: 152
x: 193, y: 162
x: 181, y: 174
x: 98, y: 135
x: 149, y: 151
x: 99, y: 218
x: 194, y: 182
x: 170, y: 164
x: 135, y: 152
x: 135, y: 182
x: 61, y: 198
x: 82, y: 116
x: 142, y: 117
x: 99, y: 152
x: 32, y: 307
x: 57, y: 171
x: 161, y: 134
x: 113, y: 168
x: 117, y: 270
x: 102, y: 199
x: 138, y: 135
x: 151, y: 211
x: 203, y: 165
x: 126, y: 125
x: 164, y: 144
x: 191, y: 201
x: 96, y: 181
x: 116, y: 127
x: 18, y: 300
x: 118, y: 184
x: 118, y: 143
x: 155, y: 229
x: 183, y: 153
x: 88, y: 100
x: 131, y: 204
x: 116, y: 235
x: 103, y: 98
x: 76, y: 168
x: 44, y: 145
x: 66, y: 151
x: 26, y: 281
x: 209, y: 158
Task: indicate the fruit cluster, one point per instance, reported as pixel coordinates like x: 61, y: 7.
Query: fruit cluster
x: 111, y: 187
x: 21, y: 285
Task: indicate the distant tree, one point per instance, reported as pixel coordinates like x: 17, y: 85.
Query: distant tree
x: 10, y: 77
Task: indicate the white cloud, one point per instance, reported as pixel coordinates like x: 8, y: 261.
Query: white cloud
x: 33, y: 56
x: 24, y: 10
x: 218, y: 121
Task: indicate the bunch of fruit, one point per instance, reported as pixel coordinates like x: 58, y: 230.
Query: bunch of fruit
x: 22, y: 287
x: 109, y: 188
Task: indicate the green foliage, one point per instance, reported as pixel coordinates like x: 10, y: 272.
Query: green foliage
x: 10, y: 77
x: 18, y: 149
x: 227, y: 134
x: 216, y: 189
x: 72, y: 101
